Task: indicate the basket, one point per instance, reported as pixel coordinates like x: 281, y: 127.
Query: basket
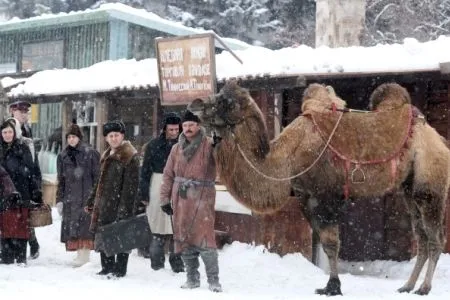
x: 41, y: 216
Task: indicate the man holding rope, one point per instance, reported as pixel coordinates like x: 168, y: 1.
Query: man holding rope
x: 188, y: 194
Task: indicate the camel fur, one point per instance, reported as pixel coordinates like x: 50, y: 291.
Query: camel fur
x: 260, y: 174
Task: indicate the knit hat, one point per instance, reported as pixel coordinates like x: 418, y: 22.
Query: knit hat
x: 189, y: 116
x: 113, y: 126
x: 74, y: 129
x: 172, y: 118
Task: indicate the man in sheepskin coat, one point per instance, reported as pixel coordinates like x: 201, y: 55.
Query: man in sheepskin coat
x: 188, y: 193
x: 113, y: 199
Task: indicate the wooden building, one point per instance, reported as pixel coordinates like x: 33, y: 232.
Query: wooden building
x: 371, y: 228
x: 78, y: 40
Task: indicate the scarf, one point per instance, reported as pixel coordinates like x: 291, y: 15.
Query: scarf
x: 189, y: 148
x: 72, y: 153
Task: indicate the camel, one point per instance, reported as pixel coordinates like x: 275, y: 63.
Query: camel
x: 329, y: 155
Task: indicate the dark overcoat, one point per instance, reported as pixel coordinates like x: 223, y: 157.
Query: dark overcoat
x: 114, y: 197
x: 76, y: 180
x: 17, y: 161
x: 194, y: 216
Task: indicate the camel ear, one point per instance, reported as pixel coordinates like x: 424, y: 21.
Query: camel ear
x: 196, y: 106
x: 331, y: 91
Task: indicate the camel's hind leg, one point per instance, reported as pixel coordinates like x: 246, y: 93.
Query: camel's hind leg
x: 427, y: 213
x: 329, y: 238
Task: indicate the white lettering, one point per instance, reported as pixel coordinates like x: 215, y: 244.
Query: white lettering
x: 198, y: 52
x: 175, y: 71
x: 190, y: 85
x: 171, y: 55
x: 199, y: 70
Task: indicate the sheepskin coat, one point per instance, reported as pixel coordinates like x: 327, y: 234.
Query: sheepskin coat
x: 194, y: 216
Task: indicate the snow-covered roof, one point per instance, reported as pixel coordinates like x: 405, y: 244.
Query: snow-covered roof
x: 112, y: 11
x: 409, y: 57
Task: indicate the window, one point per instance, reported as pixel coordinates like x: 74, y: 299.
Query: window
x: 43, y: 56
x: 8, y: 68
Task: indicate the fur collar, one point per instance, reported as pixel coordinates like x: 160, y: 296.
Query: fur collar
x: 124, y: 153
x: 189, y: 148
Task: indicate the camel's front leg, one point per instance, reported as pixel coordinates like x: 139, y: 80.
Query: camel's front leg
x: 329, y: 238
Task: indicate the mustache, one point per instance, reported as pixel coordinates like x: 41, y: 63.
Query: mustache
x: 189, y: 131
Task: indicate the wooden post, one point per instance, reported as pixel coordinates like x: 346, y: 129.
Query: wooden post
x: 155, y: 117
x: 340, y: 23
x: 67, y: 108
x: 277, y: 114
x: 3, y: 102
x: 101, y: 116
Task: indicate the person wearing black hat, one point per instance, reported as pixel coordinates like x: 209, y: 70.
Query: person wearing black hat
x: 155, y: 156
x: 188, y: 193
x: 78, y: 167
x: 20, y: 113
x: 113, y: 198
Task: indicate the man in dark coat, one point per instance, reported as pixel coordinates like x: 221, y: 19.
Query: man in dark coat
x: 20, y: 112
x: 156, y: 153
x: 188, y: 192
x: 114, y: 197
x: 78, y: 167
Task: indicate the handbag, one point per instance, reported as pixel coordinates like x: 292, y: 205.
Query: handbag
x: 123, y: 236
x: 40, y: 216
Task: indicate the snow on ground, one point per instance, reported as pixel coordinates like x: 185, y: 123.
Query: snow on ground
x: 246, y: 272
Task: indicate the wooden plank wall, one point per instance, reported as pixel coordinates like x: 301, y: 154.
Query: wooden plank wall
x: 285, y: 231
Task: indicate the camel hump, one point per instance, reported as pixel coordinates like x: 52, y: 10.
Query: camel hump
x: 366, y: 138
x: 389, y: 96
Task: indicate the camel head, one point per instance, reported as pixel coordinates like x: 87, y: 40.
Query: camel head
x: 224, y: 109
x: 320, y: 97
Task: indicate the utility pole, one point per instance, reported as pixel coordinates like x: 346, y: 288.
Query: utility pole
x: 3, y: 102
x: 340, y: 23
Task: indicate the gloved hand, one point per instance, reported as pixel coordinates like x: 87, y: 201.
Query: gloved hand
x: 59, y: 208
x: 141, y: 208
x: 167, y: 208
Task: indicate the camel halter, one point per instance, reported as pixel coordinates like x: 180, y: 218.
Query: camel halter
x: 302, y: 172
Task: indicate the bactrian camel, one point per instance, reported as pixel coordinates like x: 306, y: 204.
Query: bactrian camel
x: 330, y: 154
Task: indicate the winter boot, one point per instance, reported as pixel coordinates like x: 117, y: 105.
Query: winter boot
x: 21, y: 251
x: 34, y: 245
x: 210, y: 259
x: 120, y: 269
x: 83, y: 256
x: 157, y: 255
x: 107, y: 264
x: 193, y: 276
x: 7, y: 252
x: 176, y: 263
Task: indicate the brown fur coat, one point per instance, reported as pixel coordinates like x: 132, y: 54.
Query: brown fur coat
x: 113, y: 198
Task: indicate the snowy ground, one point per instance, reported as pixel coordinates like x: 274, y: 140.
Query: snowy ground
x: 246, y: 272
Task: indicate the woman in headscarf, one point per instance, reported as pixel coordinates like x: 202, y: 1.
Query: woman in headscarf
x: 16, y: 159
x: 78, y: 166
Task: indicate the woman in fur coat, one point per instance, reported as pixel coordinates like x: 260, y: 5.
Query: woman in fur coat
x: 78, y: 167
